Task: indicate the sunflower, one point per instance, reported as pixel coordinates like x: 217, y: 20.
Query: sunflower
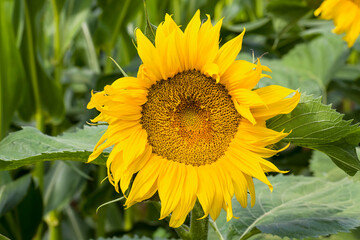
x: 189, y: 125
x: 346, y: 16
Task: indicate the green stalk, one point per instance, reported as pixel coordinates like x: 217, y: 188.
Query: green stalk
x: 118, y: 24
x: 101, y: 215
x: 259, y: 8
x: 57, y: 47
x: 198, y: 227
x: 53, y: 221
x: 176, y: 10
x: 39, y: 114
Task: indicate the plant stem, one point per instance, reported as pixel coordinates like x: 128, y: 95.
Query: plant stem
x: 54, y: 225
x: 100, y: 219
x: 198, y: 227
x: 39, y: 115
x: 116, y: 30
x: 57, y: 47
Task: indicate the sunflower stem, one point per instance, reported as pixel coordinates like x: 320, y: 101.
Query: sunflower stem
x: 198, y: 227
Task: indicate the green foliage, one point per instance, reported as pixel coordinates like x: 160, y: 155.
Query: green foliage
x: 11, y: 74
x: 298, y: 207
x: 29, y: 146
x: 309, y: 66
x: 318, y: 126
x: 20, y: 199
x: 322, y: 167
x: 12, y: 193
x: 58, y: 196
x: 125, y: 238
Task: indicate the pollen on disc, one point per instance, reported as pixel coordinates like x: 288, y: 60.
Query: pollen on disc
x: 189, y: 118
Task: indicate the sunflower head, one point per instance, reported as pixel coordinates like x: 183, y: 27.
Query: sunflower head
x: 346, y: 15
x: 190, y: 125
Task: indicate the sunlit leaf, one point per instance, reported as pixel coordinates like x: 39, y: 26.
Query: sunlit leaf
x: 29, y: 146
x: 318, y: 126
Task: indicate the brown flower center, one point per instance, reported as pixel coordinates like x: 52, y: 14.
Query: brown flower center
x: 189, y: 118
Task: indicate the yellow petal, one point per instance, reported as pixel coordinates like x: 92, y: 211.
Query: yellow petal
x: 170, y: 185
x: 245, y: 112
x: 206, y: 191
x: 276, y: 102
x: 191, y: 41
x: 149, y: 56
x: 243, y: 74
x: 228, y: 52
x: 208, y: 43
x: 145, y: 183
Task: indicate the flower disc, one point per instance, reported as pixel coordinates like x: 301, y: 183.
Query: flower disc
x: 189, y: 118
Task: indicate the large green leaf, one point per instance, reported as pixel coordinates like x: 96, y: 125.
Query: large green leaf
x: 319, y: 59
x: 12, y: 193
x: 29, y: 146
x: 298, y: 207
x: 309, y: 66
x: 318, y: 126
x: 321, y: 166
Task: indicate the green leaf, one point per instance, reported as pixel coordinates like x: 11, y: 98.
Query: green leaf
x: 286, y: 13
x: 309, y: 66
x: 321, y: 166
x: 31, y: 205
x: 284, y: 75
x: 299, y: 207
x: 72, y: 14
x: 249, y: 26
x: 125, y: 238
x: 61, y: 184
x: 29, y: 146
x: 317, y: 126
x: 2, y: 237
x: 11, y: 194
x: 319, y: 59
x: 150, y: 29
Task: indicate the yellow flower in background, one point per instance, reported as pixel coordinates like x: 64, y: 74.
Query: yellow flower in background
x: 346, y: 16
x: 189, y: 124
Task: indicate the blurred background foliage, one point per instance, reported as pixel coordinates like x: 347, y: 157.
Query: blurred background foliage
x: 54, y: 52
